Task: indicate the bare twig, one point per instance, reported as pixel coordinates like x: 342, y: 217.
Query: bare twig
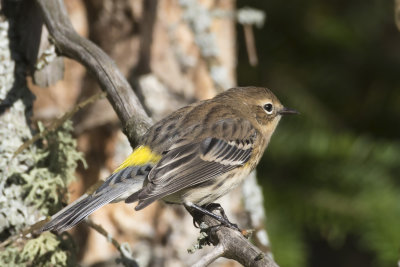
x: 26, y: 233
x: 206, y: 260
x: 249, y: 17
x: 126, y: 255
x: 130, y: 111
x: 58, y: 122
x: 103, y: 232
x: 250, y: 44
x: 11, y: 240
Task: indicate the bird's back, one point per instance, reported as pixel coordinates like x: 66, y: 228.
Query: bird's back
x: 195, y: 121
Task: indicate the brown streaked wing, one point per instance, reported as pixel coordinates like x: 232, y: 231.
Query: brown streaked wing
x: 195, y: 163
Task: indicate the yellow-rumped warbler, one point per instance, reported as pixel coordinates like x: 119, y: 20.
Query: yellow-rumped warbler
x: 192, y: 157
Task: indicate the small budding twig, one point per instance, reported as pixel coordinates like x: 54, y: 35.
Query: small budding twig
x: 206, y: 260
x: 58, y: 122
x: 126, y: 255
x: 249, y: 17
x: 250, y: 44
x: 103, y: 232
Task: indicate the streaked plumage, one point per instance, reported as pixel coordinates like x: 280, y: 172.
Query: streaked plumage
x: 194, y: 155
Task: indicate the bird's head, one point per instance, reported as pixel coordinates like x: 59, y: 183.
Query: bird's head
x: 264, y: 107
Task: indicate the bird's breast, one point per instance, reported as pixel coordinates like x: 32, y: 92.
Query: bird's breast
x: 210, y: 191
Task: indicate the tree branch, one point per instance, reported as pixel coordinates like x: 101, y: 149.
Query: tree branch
x: 58, y: 122
x: 206, y: 260
x: 126, y: 254
x: 130, y: 111
x: 234, y: 244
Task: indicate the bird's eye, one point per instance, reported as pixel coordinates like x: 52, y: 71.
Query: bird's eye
x: 269, y: 108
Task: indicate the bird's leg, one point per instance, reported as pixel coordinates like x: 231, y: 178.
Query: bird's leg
x: 192, y: 209
x: 222, y: 219
x: 216, y: 206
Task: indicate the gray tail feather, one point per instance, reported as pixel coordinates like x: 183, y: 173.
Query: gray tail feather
x: 116, y: 188
x: 78, y: 210
x: 75, y: 213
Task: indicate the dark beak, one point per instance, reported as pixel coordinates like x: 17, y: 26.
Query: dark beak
x: 288, y: 111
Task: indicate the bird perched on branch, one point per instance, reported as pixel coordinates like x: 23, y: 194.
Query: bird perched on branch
x: 192, y: 157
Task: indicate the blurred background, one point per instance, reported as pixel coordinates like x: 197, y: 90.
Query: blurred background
x: 330, y: 176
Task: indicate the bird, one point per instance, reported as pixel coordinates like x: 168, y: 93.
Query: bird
x: 192, y: 157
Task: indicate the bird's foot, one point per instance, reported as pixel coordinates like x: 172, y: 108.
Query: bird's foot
x: 216, y: 206
x: 208, y: 210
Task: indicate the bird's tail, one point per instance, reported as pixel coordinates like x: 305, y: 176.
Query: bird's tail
x: 117, y: 187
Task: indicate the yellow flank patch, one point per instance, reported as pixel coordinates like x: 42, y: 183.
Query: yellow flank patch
x: 140, y: 156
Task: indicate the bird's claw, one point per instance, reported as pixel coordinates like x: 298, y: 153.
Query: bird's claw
x: 225, y: 221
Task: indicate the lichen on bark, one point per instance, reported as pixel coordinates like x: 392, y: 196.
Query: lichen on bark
x: 33, y: 182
